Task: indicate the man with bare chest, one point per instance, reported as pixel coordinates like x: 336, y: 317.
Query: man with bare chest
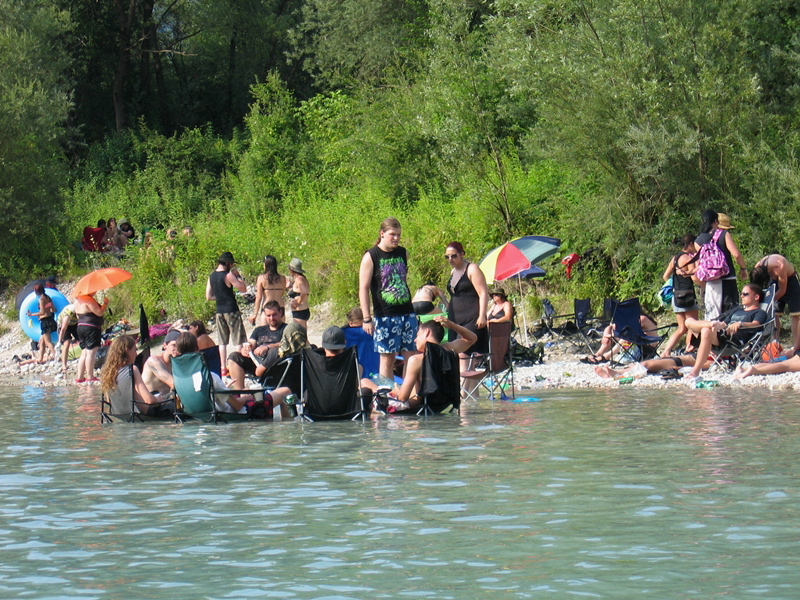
x: 157, y: 372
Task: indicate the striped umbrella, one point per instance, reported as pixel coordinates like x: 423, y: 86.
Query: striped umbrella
x: 517, y: 255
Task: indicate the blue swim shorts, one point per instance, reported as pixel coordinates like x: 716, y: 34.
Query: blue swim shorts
x: 394, y: 334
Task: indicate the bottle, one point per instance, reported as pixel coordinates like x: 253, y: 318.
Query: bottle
x: 706, y: 384
x: 291, y: 402
x: 626, y: 380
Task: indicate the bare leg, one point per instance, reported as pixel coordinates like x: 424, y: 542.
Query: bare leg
x: 795, y: 332
x: 708, y: 338
x: 223, y: 355
x: 279, y: 399
x: 791, y: 365
x: 237, y: 374
x: 90, y: 362
x: 386, y: 367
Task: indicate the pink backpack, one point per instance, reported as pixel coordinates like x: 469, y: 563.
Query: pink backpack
x: 711, y: 263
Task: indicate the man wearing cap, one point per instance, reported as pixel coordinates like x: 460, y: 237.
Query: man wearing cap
x: 777, y: 268
x: 219, y: 288
x: 298, y: 293
x: 334, y: 342
x: 157, y: 371
x: 254, y: 352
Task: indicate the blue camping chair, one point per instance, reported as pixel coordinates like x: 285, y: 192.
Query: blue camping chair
x: 628, y: 332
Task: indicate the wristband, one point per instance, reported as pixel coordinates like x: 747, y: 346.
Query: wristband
x: 368, y: 320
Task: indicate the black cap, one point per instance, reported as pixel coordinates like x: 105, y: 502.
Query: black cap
x: 226, y: 257
x: 172, y: 335
x: 333, y: 338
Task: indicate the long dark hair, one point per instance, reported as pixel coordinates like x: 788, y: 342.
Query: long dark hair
x: 708, y: 219
x: 271, y: 269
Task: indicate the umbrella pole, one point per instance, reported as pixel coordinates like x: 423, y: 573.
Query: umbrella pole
x: 524, y: 312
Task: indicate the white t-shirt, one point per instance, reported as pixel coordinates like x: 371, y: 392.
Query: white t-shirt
x: 222, y: 404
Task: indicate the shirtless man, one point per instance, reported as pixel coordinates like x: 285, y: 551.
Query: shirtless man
x: 157, y: 372
x: 430, y: 332
x: 778, y: 269
x: 298, y: 292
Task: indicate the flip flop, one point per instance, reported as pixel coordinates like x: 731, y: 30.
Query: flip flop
x: 671, y: 374
x: 594, y: 360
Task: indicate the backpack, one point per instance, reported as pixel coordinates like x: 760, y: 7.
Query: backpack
x: 711, y: 263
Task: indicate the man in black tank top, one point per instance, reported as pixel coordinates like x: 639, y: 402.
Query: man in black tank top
x: 219, y: 288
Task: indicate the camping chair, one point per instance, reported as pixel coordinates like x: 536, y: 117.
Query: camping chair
x: 733, y: 352
x: 194, y: 388
x: 285, y: 372
x: 212, y: 359
x: 365, y: 345
x: 494, y: 370
x: 330, y: 386
x: 119, y: 404
x: 627, y: 328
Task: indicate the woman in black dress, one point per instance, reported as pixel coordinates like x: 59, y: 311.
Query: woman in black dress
x: 469, y: 296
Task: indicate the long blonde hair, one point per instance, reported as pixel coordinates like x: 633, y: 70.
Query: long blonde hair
x: 117, y: 357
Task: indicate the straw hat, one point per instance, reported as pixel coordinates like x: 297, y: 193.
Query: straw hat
x: 724, y: 221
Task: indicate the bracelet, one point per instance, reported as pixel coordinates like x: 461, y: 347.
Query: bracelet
x: 367, y: 320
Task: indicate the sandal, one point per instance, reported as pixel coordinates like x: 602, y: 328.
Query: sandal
x: 594, y: 360
x: 671, y: 374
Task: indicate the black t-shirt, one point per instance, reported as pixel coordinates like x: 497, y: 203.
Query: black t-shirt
x: 740, y: 315
x: 263, y: 335
x: 390, y: 294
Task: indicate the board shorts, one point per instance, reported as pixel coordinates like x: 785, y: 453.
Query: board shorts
x: 790, y: 298
x: 395, y: 334
x: 230, y: 328
x: 89, y: 337
x: 71, y: 333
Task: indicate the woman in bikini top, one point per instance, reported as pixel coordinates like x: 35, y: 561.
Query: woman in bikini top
x: 270, y: 285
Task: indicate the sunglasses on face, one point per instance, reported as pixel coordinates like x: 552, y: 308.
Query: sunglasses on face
x: 449, y: 256
x: 745, y: 293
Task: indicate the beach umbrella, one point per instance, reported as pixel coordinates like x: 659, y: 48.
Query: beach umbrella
x: 101, y: 279
x: 516, y: 259
x: 517, y: 255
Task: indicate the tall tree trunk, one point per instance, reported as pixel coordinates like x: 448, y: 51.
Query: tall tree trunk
x: 125, y: 17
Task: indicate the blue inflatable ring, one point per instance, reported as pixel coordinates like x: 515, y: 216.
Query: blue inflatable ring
x: 30, y: 325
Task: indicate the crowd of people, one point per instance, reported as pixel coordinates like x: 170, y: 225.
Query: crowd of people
x: 708, y: 263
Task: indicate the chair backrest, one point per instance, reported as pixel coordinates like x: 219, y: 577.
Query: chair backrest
x: 626, y: 319
x: 141, y: 358
x: 213, y: 361
x: 365, y: 344
x: 549, y: 311
x: 609, y: 306
x: 192, y: 382
x: 583, y: 311
x: 330, y: 385
x: 120, y: 399
x: 440, y: 384
x: 499, y: 344
x: 286, y: 372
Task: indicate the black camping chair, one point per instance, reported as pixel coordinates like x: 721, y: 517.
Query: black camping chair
x: 119, y: 404
x: 749, y: 347
x: 330, y: 386
x: 627, y: 328
x: 285, y: 372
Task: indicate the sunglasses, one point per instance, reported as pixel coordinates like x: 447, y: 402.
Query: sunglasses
x: 745, y: 293
x: 449, y: 256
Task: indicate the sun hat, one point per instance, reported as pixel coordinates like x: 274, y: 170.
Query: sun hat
x: 296, y: 265
x: 226, y: 257
x: 333, y: 338
x: 724, y: 221
x: 498, y: 292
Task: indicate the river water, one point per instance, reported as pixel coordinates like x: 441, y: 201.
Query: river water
x: 596, y: 493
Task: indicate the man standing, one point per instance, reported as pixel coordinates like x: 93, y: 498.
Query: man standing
x: 777, y: 268
x: 252, y: 358
x: 157, y: 371
x: 383, y: 276
x: 220, y: 286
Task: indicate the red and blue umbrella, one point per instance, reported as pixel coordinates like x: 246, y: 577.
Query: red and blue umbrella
x: 516, y: 256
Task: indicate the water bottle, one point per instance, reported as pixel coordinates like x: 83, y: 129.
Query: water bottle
x: 626, y: 380
x: 291, y: 402
x: 706, y: 384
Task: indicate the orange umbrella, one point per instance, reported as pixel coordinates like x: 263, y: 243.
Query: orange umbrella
x: 101, y: 279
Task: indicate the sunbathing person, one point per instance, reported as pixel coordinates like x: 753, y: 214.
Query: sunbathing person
x: 233, y: 403
x: 731, y: 326
x: 778, y: 269
x: 405, y: 396
x: 116, y: 374
x: 654, y: 365
x: 609, y: 346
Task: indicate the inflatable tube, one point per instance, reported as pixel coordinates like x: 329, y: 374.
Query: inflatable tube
x: 30, y: 325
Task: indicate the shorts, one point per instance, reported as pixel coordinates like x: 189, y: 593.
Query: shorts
x: 48, y: 325
x: 303, y: 315
x: 245, y: 362
x: 791, y: 298
x: 71, y: 333
x: 678, y: 309
x: 395, y: 334
x: 230, y: 328
x: 89, y: 337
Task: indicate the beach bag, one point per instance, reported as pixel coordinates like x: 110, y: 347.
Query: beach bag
x: 711, y: 263
x: 684, y: 298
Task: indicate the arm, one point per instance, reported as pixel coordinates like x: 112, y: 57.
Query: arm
x: 236, y: 280
x: 98, y: 309
x: 413, y: 370
x: 305, y: 290
x: 465, y: 337
x: 364, y: 277
x: 479, y: 282
x: 259, y: 298
x: 209, y: 292
x: 140, y: 389
x: 670, y: 270
x: 736, y: 255
x: 782, y: 276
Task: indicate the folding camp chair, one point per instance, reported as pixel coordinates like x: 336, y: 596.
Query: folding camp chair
x: 330, y: 386
x: 286, y: 372
x: 365, y: 345
x: 119, y: 404
x: 212, y: 359
x: 493, y: 371
x: 734, y: 351
x: 195, y: 390
x: 628, y: 333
